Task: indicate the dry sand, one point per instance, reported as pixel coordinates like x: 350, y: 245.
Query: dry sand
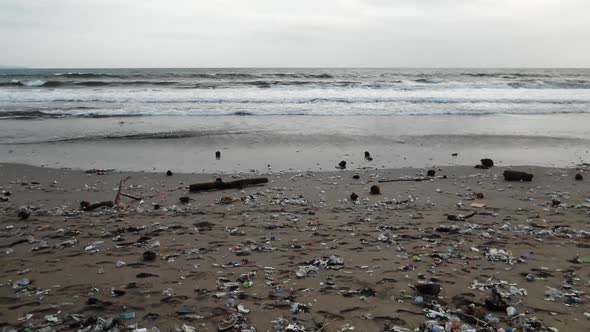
x: 389, y: 243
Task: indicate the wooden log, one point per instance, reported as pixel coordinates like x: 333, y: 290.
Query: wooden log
x: 86, y: 206
x: 220, y: 185
x: 517, y: 176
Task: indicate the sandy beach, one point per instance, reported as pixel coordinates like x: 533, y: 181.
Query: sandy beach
x: 296, y: 254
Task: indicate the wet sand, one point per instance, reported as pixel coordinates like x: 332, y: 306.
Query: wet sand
x: 389, y: 243
x: 294, y: 143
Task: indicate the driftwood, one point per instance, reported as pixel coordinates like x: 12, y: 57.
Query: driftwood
x: 406, y: 180
x: 118, y: 196
x: 86, y: 206
x: 220, y: 185
x: 132, y: 197
x: 453, y: 217
x: 517, y: 176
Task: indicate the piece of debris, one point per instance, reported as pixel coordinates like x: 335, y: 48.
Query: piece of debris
x: 487, y: 162
x: 375, y: 190
x: 23, y: 213
x: 517, y: 176
x: 220, y: 184
x: 87, y: 206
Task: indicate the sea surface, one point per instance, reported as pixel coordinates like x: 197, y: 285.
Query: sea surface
x: 292, y: 118
x: 59, y: 93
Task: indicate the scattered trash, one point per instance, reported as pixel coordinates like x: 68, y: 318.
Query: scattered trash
x: 127, y: 315
x: 406, y: 246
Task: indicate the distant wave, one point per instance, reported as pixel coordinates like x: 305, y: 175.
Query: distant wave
x: 86, y: 75
x: 288, y: 100
x: 98, y: 114
x: 242, y: 113
x: 394, y: 84
x: 506, y: 75
x: 139, y: 136
x: 430, y: 81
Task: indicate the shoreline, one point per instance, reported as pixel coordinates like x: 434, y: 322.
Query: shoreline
x: 389, y: 242
x: 319, y: 143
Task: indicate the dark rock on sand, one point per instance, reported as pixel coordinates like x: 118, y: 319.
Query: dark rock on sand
x: 23, y: 213
x: 517, y: 176
x: 487, y: 162
x: 375, y: 190
x: 428, y: 289
x: 149, y: 256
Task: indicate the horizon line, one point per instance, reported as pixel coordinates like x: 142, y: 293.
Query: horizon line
x: 290, y: 67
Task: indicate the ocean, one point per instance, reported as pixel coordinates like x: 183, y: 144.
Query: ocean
x: 147, y: 119
x: 61, y: 93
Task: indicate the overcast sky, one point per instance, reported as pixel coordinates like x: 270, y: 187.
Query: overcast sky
x: 295, y: 33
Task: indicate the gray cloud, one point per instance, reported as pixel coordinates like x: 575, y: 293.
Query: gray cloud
x: 263, y: 33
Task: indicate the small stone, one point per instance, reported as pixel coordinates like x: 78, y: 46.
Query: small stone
x: 579, y: 177
x: 149, y: 256
x: 454, y: 154
x: 184, y: 199
x: 356, y: 177
x: 217, y: 154
x: 428, y: 289
x: 354, y: 197
x: 431, y: 172
x: 375, y: 190
x: 169, y: 173
x: 23, y: 213
x: 479, y: 196
x: 342, y: 164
